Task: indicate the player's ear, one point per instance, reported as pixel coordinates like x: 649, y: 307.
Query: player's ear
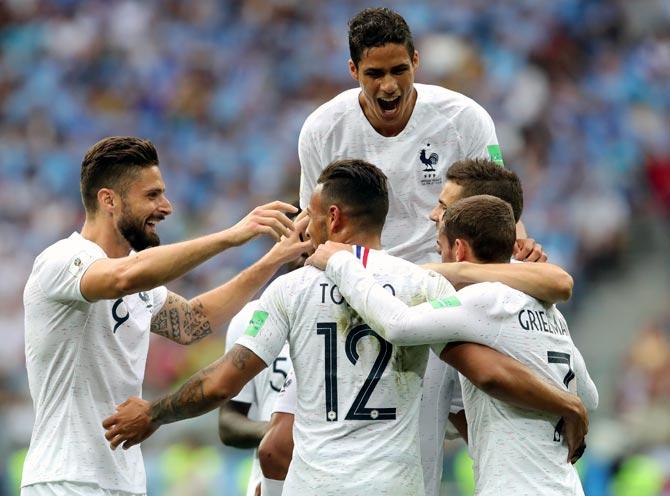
x: 415, y: 59
x: 353, y: 70
x: 334, y: 219
x: 461, y: 250
x: 106, y: 199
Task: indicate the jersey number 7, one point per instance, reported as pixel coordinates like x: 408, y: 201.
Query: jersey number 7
x: 359, y: 409
x: 564, y: 358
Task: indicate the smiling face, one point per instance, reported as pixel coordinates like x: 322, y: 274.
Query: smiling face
x: 143, y: 205
x: 386, y: 76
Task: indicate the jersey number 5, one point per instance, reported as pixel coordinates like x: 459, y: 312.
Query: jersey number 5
x: 359, y: 409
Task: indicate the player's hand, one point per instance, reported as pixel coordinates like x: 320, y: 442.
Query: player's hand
x: 292, y: 247
x: 575, y: 427
x: 269, y: 219
x: 323, y: 253
x: 527, y: 250
x: 130, y: 425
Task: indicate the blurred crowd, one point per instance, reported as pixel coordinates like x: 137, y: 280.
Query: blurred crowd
x: 578, y: 90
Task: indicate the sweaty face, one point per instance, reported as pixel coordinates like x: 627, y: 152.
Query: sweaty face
x: 386, y: 77
x: 144, y: 205
x: 450, y: 194
x: 317, y: 229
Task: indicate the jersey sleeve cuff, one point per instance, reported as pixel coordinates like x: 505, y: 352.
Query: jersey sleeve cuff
x: 253, y: 346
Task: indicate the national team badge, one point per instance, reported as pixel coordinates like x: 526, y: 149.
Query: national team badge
x: 429, y: 162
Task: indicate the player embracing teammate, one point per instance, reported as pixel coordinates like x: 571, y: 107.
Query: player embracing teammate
x: 372, y: 402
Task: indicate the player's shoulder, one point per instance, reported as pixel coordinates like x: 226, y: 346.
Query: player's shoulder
x: 239, y: 322
x: 382, y: 259
x: 246, y: 312
x: 298, y: 279
x: 489, y: 289
x: 443, y: 100
x: 433, y: 94
x: 328, y: 114
x: 401, y: 268
x: 65, y: 248
x: 497, y: 298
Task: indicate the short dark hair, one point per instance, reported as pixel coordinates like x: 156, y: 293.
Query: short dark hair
x: 113, y: 163
x: 486, y: 223
x: 375, y: 27
x: 484, y: 177
x: 359, y: 188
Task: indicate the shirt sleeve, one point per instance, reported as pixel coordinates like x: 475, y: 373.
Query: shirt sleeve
x: 437, y: 287
x: 268, y: 328
x: 465, y: 317
x: 477, y: 126
x: 310, y: 164
x: 235, y: 330
x: 159, y: 296
x: 586, y: 388
x: 59, y: 274
x: 286, y: 400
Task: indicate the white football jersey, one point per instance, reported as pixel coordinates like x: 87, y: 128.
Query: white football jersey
x: 83, y: 359
x: 261, y: 391
x: 356, y: 425
x: 445, y: 126
x: 515, y: 451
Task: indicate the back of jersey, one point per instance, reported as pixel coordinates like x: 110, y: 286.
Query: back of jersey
x: 356, y: 427
x: 520, y: 451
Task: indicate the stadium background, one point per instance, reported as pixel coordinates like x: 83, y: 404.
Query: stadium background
x: 579, y: 92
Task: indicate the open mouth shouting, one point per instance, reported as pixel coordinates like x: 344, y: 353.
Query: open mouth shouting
x: 389, y: 106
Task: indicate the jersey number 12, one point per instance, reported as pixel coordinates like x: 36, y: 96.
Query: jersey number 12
x: 359, y: 409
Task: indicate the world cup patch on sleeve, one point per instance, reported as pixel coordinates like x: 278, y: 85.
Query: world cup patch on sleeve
x: 495, y: 154
x: 81, y: 260
x: 256, y: 323
x: 450, y: 301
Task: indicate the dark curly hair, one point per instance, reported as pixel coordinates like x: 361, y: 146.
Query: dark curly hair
x: 375, y: 27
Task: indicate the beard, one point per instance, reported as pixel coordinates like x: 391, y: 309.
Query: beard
x: 134, y: 230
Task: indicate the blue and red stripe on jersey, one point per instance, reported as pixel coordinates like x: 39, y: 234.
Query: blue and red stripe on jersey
x: 362, y: 253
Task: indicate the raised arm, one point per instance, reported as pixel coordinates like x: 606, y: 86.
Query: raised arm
x: 110, y: 278
x: 544, y: 281
x: 186, y: 322
x: 136, y: 419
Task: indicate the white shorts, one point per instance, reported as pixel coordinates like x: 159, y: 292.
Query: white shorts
x: 286, y: 400
x: 65, y: 488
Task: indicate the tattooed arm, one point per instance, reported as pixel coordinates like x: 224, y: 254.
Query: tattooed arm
x: 186, y: 321
x: 182, y: 321
x: 136, y: 419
